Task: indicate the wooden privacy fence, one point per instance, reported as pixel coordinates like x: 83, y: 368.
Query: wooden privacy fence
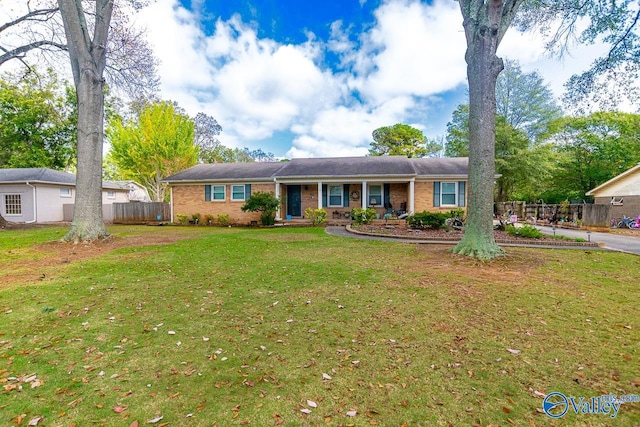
x: 140, y: 213
x: 586, y: 214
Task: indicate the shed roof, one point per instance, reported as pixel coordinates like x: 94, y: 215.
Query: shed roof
x: 48, y: 176
x: 45, y: 175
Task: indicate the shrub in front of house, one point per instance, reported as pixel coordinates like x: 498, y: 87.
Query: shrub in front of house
x: 526, y: 230
x: 183, y: 218
x: 265, y: 203
x: 223, y: 219
x: 422, y: 220
x: 363, y: 216
x: 208, y: 219
x: 196, y: 218
x: 317, y: 216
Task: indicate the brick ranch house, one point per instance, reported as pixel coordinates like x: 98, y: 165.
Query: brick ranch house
x: 386, y: 183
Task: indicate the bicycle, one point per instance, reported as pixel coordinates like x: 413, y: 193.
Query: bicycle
x: 626, y: 222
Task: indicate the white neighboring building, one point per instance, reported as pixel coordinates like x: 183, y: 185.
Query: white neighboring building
x: 40, y: 195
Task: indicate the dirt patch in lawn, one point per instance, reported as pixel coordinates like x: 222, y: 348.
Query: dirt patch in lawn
x: 48, y: 258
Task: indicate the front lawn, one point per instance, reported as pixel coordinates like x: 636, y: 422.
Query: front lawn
x: 211, y: 326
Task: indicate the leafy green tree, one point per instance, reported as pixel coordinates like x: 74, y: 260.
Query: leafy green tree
x: 223, y: 154
x: 457, y: 138
x: 398, y: 140
x: 485, y: 24
x: 159, y: 143
x: 265, y: 203
x: 522, y: 165
x: 593, y: 149
x: 38, y: 127
x: 525, y: 100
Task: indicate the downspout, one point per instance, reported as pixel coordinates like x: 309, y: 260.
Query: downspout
x: 35, y: 206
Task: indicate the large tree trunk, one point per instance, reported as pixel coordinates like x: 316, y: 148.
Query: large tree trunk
x: 88, y: 224
x: 87, y: 52
x: 485, y: 23
x: 482, y: 71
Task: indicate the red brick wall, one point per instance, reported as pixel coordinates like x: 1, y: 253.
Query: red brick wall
x: 189, y: 200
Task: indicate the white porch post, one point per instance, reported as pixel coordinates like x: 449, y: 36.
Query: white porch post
x: 278, y: 216
x: 319, y: 194
x: 412, y: 190
x: 364, y: 194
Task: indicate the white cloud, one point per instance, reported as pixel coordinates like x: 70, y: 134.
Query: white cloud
x: 258, y: 88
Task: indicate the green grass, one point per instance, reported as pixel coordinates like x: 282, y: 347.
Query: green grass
x: 408, y: 333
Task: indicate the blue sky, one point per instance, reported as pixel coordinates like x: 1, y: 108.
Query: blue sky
x: 314, y: 79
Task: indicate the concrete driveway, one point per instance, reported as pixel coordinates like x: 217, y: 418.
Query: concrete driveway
x: 611, y: 241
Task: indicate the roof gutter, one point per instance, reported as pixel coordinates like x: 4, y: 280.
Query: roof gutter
x: 35, y: 207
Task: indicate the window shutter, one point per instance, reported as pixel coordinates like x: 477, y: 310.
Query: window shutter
x: 247, y: 191
x: 207, y: 193
x: 345, y: 196
x: 436, y: 194
x: 461, y: 189
x: 324, y: 196
x: 387, y: 196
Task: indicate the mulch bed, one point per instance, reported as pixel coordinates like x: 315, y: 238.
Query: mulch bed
x: 503, y: 237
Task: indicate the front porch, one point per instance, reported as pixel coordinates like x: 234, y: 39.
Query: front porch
x: 338, y: 199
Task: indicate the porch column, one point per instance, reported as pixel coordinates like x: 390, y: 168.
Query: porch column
x: 319, y: 194
x: 278, y: 217
x: 412, y: 190
x: 364, y: 195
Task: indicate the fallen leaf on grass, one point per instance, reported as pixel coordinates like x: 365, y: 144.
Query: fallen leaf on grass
x: 352, y: 413
x: 134, y: 424
x: 312, y: 404
x: 155, y: 420
x: 305, y: 411
x: 512, y: 351
x: 35, y: 421
x: 119, y: 409
x: 326, y: 376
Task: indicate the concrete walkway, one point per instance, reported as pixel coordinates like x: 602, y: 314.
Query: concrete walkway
x: 614, y: 242
x: 610, y: 241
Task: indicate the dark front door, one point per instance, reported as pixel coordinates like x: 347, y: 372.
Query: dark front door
x: 294, y: 200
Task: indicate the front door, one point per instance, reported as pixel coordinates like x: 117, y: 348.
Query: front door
x: 294, y: 200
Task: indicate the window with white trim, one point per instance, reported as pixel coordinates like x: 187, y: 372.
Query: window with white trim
x: 111, y: 194
x: 65, y: 192
x: 218, y: 192
x: 13, y: 204
x: 449, y: 194
x: 375, y: 195
x: 237, y: 192
x: 335, y: 195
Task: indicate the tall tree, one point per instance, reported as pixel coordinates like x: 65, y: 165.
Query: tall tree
x: 158, y: 144
x: 525, y: 100
x: 485, y: 23
x: 398, y: 140
x: 88, y: 56
x: 207, y: 130
x: 592, y: 150
x: 38, y: 122
x: 82, y: 28
x: 520, y: 164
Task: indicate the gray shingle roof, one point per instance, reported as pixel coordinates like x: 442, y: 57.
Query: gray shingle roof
x: 455, y: 166
x: 47, y: 176
x: 397, y: 166
x: 228, y: 171
x: 36, y: 175
x: 348, y: 166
